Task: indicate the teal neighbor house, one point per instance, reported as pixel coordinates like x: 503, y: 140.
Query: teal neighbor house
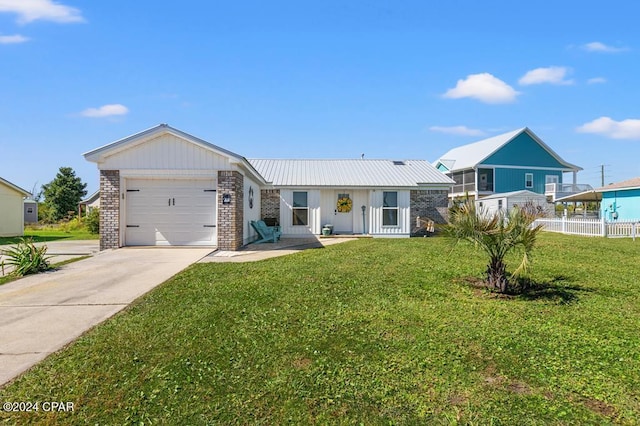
x: 621, y: 201
x: 514, y: 161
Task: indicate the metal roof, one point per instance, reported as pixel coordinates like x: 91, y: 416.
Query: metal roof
x: 520, y: 193
x: 469, y: 156
x: 350, y: 173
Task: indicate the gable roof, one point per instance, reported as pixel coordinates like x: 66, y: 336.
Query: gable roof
x: 15, y: 187
x: 470, y: 155
x: 97, y: 155
x: 350, y: 173
x: 91, y: 198
x: 633, y: 183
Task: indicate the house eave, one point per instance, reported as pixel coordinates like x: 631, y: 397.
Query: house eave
x: 16, y: 188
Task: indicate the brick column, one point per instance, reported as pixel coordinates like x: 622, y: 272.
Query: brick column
x: 270, y: 204
x: 432, y: 204
x: 230, y: 216
x: 109, y: 209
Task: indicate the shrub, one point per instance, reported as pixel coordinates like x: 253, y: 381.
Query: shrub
x: 92, y: 221
x: 75, y: 224
x: 26, y: 258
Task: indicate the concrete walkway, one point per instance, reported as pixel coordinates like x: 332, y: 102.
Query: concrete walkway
x: 40, y: 314
x: 255, y: 252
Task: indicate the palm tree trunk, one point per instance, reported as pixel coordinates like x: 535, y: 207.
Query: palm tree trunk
x: 497, y: 275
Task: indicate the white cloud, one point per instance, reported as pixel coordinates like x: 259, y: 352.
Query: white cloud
x: 13, y: 39
x: 46, y: 10
x: 105, y: 111
x: 597, y: 46
x: 551, y: 75
x: 597, y: 80
x: 457, y: 130
x: 605, y: 126
x: 483, y: 87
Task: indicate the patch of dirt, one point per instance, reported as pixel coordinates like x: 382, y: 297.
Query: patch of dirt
x: 491, y: 376
x: 457, y: 399
x: 302, y: 363
x: 481, y: 288
x: 519, y: 388
x: 599, y: 407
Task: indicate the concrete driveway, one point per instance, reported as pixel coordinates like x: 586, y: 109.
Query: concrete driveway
x: 40, y: 314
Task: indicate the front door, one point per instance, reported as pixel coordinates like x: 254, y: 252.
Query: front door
x: 343, y: 213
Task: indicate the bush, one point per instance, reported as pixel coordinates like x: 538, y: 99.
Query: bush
x: 27, y: 258
x: 75, y: 224
x: 92, y: 221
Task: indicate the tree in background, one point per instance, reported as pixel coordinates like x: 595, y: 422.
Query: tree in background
x: 62, y: 195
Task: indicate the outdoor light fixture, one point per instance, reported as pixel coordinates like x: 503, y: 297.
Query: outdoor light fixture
x: 226, y: 198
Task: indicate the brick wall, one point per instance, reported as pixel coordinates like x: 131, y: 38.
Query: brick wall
x: 230, y: 216
x: 270, y: 204
x: 109, y: 209
x: 431, y: 204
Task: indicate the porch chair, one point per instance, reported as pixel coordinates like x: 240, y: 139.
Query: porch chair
x: 266, y: 233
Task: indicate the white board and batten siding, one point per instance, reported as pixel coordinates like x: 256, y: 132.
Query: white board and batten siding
x: 403, y: 228
x: 314, y: 226
x: 344, y: 222
x: 166, y: 152
x: 322, y: 206
x: 251, y: 207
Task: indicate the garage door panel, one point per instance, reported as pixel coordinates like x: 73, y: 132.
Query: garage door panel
x: 171, y: 212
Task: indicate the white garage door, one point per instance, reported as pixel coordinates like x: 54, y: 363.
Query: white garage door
x: 167, y: 212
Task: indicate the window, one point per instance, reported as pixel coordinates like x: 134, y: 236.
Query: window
x: 528, y: 180
x: 552, y: 179
x: 499, y: 204
x: 300, y: 209
x: 389, y: 209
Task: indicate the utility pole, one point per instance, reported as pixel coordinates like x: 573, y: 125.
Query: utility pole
x: 602, y: 175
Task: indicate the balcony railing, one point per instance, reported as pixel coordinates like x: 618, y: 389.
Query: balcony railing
x: 559, y: 190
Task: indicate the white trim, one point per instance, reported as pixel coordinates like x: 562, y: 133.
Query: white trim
x: 169, y: 173
x: 483, y: 166
x: 526, y: 180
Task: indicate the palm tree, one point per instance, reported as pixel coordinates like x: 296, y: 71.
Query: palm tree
x: 496, y: 234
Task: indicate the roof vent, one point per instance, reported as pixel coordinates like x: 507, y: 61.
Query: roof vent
x: 398, y: 163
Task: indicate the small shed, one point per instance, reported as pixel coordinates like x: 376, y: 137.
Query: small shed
x: 11, y: 209
x: 508, y: 200
x: 30, y: 211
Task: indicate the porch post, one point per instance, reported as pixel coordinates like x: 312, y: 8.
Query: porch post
x: 475, y: 178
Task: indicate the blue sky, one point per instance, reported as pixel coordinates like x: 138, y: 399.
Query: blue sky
x: 331, y: 79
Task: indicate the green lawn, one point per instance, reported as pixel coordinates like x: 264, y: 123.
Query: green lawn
x: 51, y: 234
x: 367, y: 332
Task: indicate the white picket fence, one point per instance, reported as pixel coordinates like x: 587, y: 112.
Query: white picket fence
x: 591, y: 227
